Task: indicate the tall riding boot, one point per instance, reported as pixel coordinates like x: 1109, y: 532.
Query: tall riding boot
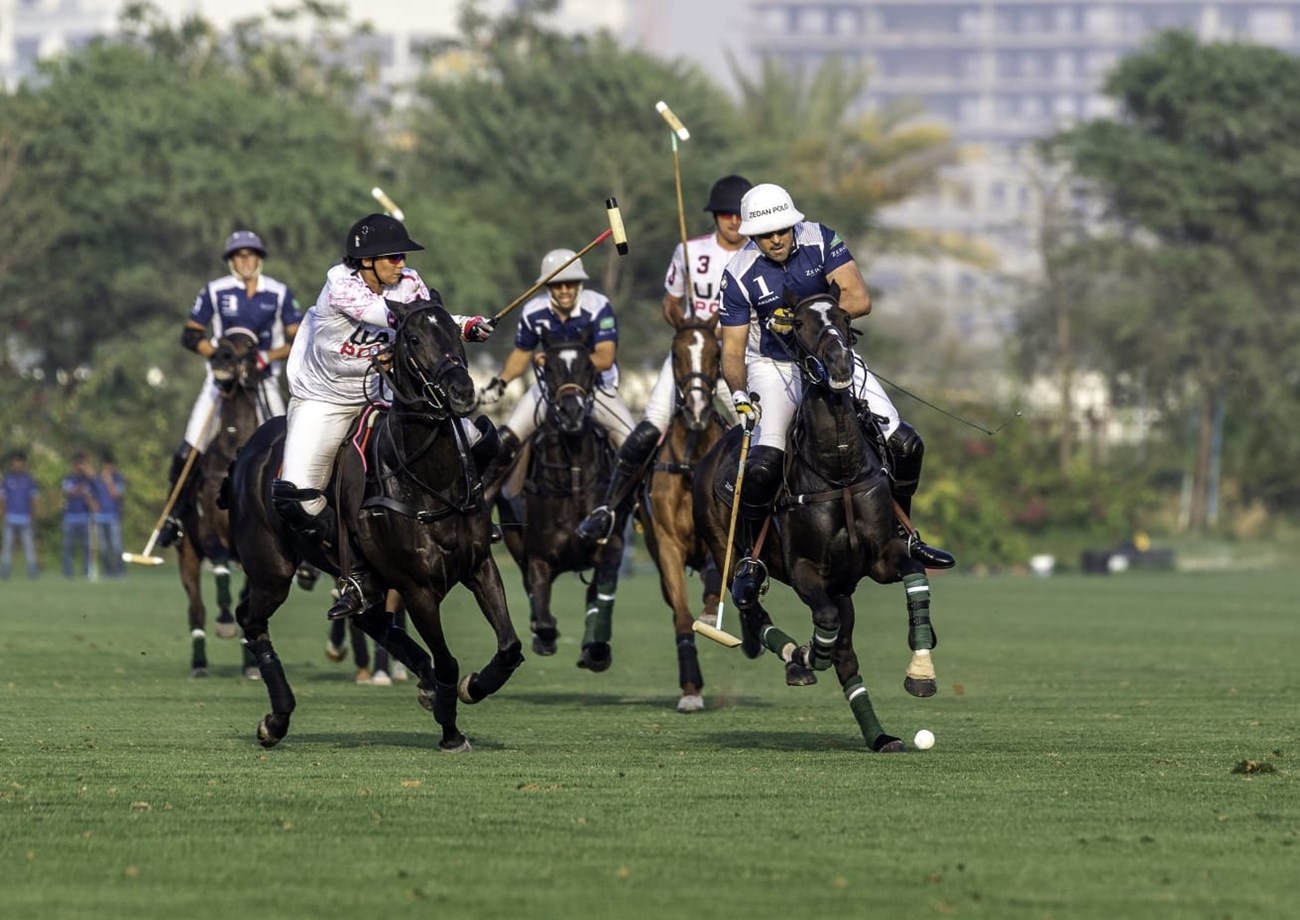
x: 484, y: 451
x: 357, y: 590
x: 499, y: 467
x: 908, y: 451
x: 762, y: 482
x: 640, y: 445
x: 172, y: 529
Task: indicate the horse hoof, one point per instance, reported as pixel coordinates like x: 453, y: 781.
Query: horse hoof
x: 888, y: 744
x: 542, y: 647
x: 796, y: 675
x: 458, y: 745
x: 252, y: 673
x: 265, y: 737
x: 227, y: 628
x: 921, y: 688
x: 425, y: 698
x: 691, y: 702
x: 597, y: 656
x: 335, y: 652
x: 199, y: 672
x: 463, y: 692
x: 306, y: 577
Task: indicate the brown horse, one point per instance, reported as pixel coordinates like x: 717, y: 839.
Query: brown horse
x: 240, y: 410
x: 666, y: 503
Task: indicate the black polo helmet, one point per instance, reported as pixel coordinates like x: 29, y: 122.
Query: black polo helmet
x: 378, y: 235
x: 724, y: 197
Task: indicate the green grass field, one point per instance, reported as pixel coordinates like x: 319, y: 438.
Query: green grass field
x: 1088, y: 730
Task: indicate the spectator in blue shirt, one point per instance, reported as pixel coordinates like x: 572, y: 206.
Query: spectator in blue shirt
x: 109, y: 489
x: 18, y: 494
x: 79, y: 505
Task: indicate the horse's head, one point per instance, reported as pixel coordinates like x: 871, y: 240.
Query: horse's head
x: 823, y: 342
x: 696, y: 358
x: 234, y: 363
x: 568, y: 378
x: 428, y: 369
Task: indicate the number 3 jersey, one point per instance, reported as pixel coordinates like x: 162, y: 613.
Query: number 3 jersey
x: 753, y: 286
x: 709, y: 259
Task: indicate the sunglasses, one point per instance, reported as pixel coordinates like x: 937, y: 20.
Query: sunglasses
x: 771, y: 234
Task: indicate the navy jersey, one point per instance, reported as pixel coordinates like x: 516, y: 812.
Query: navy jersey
x: 225, y: 304
x: 753, y: 286
x: 592, y: 310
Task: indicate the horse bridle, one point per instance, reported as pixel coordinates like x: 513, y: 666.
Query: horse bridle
x: 431, y: 396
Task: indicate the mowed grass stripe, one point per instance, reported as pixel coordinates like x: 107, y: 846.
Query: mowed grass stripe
x: 1087, y: 732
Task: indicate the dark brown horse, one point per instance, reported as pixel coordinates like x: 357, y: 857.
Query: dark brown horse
x: 833, y: 523
x: 666, y: 502
x: 569, y: 465
x: 416, y: 499
x: 240, y: 409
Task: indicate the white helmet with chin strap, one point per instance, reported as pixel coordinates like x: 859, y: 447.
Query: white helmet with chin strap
x: 767, y: 207
x: 557, y: 257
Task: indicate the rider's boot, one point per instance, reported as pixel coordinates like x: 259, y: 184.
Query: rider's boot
x: 485, y: 449
x: 908, y: 452
x: 762, y: 481
x: 358, y: 591
x: 640, y: 445
x: 320, y: 528
x: 172, y: 529
x: 499, y: 466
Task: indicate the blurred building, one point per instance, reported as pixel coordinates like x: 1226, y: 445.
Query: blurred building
x: 35, y: 29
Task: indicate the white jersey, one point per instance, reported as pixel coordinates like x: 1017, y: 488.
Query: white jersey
x: 342, y: 332
x: 709, y: 260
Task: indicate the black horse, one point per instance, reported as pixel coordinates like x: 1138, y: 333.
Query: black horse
x: 240, y: 409
x: 413, y: 490
x: 569, y: 465
x: 834, y: 520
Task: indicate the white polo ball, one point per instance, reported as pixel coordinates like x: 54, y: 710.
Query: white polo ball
x: 924, y: 739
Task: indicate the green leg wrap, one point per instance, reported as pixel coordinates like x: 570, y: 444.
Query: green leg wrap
x: 920, y: 633
x: 778, y: 643
x: 823, y: 646
x: 600, y: 616
x: 855, y: 691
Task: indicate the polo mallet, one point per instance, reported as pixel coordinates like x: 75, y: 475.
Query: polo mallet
x: 387, y: 203
x: 145, y: 556
x: 615, y: 230
x: 679, y: 131
x: 717, y: 634
x: 92, y: 563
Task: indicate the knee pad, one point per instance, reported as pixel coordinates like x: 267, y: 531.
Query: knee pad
x: 488, y: 446
x: 762, y: 475
x: 908, y: 451
x: 640, y: 444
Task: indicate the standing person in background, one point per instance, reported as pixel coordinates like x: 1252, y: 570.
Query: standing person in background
x: 110, y: 486
x: 243, y: 299
x: 79, y: 506
x: 709, y: 256
x: 18, y: 495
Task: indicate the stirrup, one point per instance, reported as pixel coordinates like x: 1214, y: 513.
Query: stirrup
x: 351, y: 600
x: 598, y: 526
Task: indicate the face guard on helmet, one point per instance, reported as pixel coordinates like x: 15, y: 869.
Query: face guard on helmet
x: 378, y: 235
x: 724, y: 197
x: 571, y: 272
x: 243, y: 239
x: 766, y: 208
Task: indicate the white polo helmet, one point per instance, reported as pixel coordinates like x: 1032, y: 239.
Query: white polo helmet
x: 557, y: 257
x: 767, y: 207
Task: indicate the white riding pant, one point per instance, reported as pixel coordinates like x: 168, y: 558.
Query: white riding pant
x: 316, y: 430
x: 779, y: 386
x: 203, y: 424
x: 606, y: 408
x: 663, y: 397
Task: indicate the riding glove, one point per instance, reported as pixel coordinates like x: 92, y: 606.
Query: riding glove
x: 492, y: 393
x: 781, y: 321
x: 747, y: 409
x: 477, y: 329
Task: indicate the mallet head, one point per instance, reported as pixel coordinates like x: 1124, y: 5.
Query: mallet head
x: 673, y: 121
x: 387, y: 203
x: 616, y: 225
